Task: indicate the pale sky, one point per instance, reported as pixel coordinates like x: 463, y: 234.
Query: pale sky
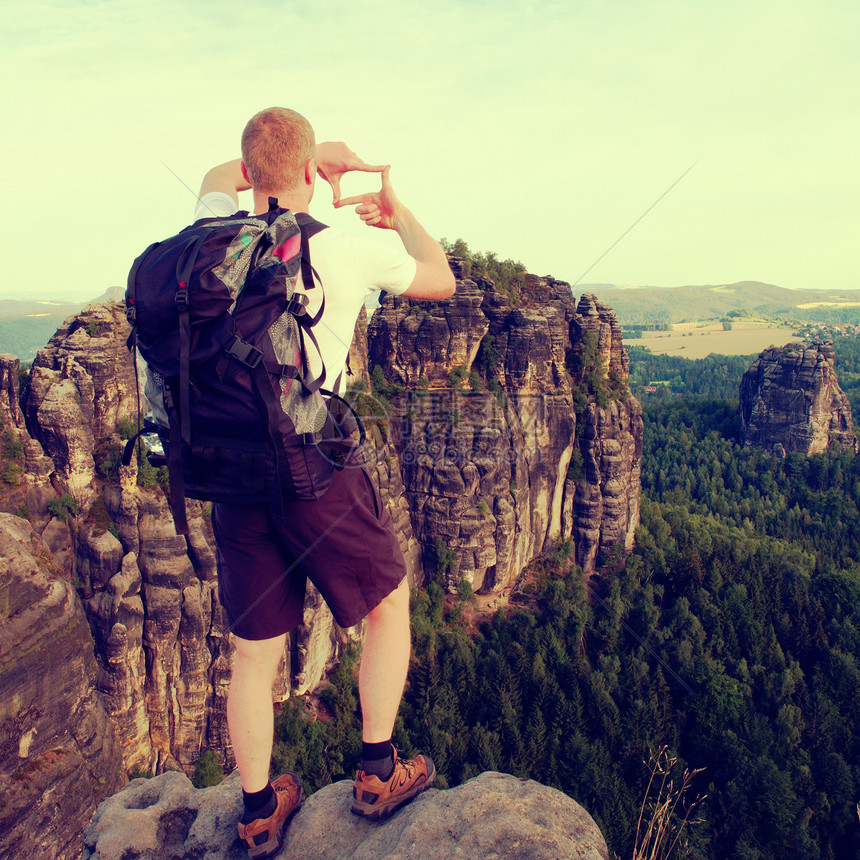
x: 539, y: 130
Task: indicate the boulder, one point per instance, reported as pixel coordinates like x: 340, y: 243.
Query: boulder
x: 493, y: 815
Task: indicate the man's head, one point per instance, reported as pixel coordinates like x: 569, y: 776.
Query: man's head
x: 277, y: 144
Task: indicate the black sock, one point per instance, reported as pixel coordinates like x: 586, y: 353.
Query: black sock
x: 378, y: 759
x: 258, y: 804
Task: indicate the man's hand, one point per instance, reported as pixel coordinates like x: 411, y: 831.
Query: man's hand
x: 335, y: 159
x: 378, y: 208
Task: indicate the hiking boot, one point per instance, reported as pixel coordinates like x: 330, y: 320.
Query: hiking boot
x: 375, y: 799
x: 263, y: 837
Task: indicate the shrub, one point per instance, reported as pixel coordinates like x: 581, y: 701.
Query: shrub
x: 488, y: 357
x: 149, y: 476
x: 207, y: 770
x: 100, y: 518
x: 465, y: 593
x: 483, y: 507
x: 12, y: 474
x: 94, y: 328
x: 495, y: 388
x: 64, y: 507
x: 12, y: 447
x: 23, y: 512
x: 442, y: 558
x: 137, y: 772
x: 108, y: 456
x: 381, y: 387
x: 126, y: 427
x: 574, y: 467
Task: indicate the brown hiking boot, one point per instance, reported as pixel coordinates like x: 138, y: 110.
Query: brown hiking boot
x: 263, y: 837
x: 375, y: 799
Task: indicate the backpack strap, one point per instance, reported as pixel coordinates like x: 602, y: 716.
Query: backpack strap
x: 184, y: 268
x: 310, y: 227
x: 131, y: 297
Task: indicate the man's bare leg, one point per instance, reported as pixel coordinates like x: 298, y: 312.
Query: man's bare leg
x: 384, y: 664
x: 385, y: 782
x: 250, y: 715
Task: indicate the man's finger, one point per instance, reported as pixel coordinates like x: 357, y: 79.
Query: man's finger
x: 369, y: 168
x: 349, y: 201
x: 334, y: 181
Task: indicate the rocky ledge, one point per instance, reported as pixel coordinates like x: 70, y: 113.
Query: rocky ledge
x: 493, y: 815
x: 791, y: 401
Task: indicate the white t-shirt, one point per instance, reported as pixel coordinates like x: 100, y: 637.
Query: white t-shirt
x: 350, y: 270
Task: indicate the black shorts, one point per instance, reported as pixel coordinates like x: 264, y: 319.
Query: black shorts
x: 344, y: 543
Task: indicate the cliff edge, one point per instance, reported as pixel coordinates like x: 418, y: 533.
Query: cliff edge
x: 492, y: 815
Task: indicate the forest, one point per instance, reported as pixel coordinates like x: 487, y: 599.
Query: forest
x: 730, y: 636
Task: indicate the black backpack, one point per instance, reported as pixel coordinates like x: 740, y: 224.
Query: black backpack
x: 214, y: 314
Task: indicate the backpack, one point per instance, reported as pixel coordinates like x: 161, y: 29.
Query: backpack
x: 214, y: 315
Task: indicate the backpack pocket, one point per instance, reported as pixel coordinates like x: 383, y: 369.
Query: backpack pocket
x: 221, y: 470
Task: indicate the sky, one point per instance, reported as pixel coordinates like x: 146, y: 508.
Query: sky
x: 538, y: 130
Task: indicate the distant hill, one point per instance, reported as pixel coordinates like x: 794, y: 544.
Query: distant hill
x: 646, y: 305
x: 27, y: 325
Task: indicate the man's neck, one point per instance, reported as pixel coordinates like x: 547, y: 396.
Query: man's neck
x: 295, y: 202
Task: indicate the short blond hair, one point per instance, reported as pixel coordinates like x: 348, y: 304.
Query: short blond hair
x: 276, y: 143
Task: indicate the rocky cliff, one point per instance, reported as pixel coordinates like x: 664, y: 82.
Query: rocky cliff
x: 498, y: 426
x: 790, y: 401
x: 492, y: 815
x: 59, y: 751
x: 513, y: 423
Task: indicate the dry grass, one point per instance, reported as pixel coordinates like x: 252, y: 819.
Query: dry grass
x: 663, y: 817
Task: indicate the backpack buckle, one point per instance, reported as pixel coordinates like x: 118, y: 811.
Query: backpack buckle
x: 247, y: 354
x: 181, y: 298
x: 298, y: 304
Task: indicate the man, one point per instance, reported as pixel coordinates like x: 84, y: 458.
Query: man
x: 345, y: 541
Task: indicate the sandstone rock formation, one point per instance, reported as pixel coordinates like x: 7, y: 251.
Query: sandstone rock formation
x: 150, y: 596
x: 790, y: 401
x: 492, y: 815
x: 544, y: 449
x: 25, y: 469
x: 59, y: 753
x: 526, y: 454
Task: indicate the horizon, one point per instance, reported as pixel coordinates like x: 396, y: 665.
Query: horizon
x: 654, y: 143
x: 577, y: 290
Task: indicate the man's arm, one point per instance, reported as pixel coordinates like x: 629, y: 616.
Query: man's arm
x: 227, y: 178
x: 433, y: 277
x: 333, y: 160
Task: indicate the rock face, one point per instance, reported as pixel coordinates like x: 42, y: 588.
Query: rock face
x: 790, y: 401
x: 524, y: 443
x: 533, y: 440
x: 492, y: 815
x: 150, y: 596
x: 59, y: 753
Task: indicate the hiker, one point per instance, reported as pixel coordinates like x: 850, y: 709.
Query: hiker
x: 344, y: 542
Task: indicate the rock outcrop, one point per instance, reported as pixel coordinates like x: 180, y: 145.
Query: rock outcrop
x: 492, y: 815
x: 150, y: 596
x: 59, y: 752
x: 791, y: 402
x: 533, y: 440
x: 508, y: 440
